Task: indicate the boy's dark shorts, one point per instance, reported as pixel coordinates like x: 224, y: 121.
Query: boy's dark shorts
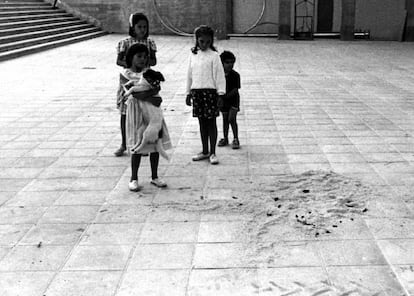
x: 229, y: 104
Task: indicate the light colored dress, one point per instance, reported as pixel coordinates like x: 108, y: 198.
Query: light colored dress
x: 135, y: 120
x: 123, y: 46
x: 126, y: 43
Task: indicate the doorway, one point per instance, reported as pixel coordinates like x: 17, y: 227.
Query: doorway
x: 325, y: 16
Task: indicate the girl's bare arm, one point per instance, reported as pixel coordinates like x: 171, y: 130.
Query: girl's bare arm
x: 120, y: 60
x: 152, y: 60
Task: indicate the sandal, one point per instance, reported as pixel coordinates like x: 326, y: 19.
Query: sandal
x: 159, y: 183
x: 133, y: 186
x: 235, y: 144
x: 120, y: 151
x: 223, y: 142
x: 200, y: 156
x: 213, y: 159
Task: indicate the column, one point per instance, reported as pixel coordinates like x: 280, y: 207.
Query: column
x: 409, y: 25
x: 348, y: 20
x: 224, y: 18
x: 285, y: 8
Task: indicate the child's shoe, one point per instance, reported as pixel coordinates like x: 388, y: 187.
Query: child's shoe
x: 213, y: 159
x: 159, y: 183
x: 235, y: 144
x: 120, y: 151
x: 133, y: 185
x: 200, y: 156
x: 223, y: 142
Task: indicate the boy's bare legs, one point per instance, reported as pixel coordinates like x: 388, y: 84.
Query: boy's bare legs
x: 225, y: 140
x: 233, y: 122
x: 232, y: 117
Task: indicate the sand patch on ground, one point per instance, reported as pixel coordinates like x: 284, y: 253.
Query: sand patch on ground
x: 285, y: 208
x: 286, y: 212
x: 315, y: 202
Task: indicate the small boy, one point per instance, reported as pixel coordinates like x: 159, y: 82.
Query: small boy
x: 230, y: 104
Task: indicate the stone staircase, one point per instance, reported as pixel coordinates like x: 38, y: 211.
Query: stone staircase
x: 28, y: 26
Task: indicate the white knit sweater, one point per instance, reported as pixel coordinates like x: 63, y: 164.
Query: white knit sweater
x: 206, y: 71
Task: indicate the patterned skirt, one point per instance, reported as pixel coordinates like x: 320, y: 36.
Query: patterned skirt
x: 204, y: 103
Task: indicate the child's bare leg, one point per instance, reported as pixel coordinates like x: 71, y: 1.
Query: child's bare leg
x: 225, y: 125
x: 233, y: 122
x: 225, y: 140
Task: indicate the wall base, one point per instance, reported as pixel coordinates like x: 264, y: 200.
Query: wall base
x: 409, y: 34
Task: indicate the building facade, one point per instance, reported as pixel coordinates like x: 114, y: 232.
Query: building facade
x: 383, y: 19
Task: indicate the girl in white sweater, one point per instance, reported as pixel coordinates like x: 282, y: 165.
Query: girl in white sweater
x: 206, y: 84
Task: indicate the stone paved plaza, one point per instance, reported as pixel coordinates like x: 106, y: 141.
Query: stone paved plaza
x: 69, y: 226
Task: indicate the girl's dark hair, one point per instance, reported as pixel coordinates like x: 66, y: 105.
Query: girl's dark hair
x: 227, y: 55
x: 133, y: 20
x: 203, y: 30
x: 133, y: 50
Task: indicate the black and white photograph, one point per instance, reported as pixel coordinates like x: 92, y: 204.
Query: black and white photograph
x: 206, y: 147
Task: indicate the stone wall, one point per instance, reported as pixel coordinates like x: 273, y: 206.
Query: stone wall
x: 385, y: 18
x: 183, y: 15
x: 409, y: 29
x: 247, y: 13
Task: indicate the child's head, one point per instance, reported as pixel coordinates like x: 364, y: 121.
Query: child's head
x: 153, y: 77
x: 137, y: 56
x: 228, y: 59
x: 204, y: 37
x: 138, y: 26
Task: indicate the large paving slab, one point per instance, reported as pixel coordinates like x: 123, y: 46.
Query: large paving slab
x: 318, y: 200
